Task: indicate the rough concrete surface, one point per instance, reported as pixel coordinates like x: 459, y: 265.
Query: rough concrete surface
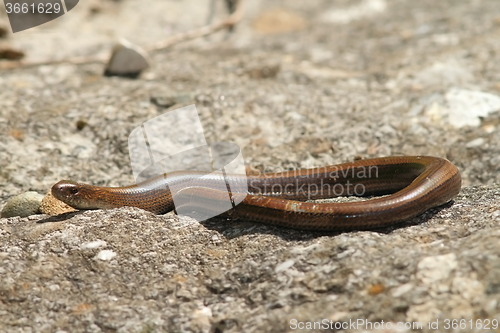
x: 321, y: 83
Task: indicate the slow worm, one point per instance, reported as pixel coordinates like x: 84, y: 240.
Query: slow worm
x: 414, y: 184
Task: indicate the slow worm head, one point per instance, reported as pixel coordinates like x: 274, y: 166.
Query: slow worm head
x: 81, y: 196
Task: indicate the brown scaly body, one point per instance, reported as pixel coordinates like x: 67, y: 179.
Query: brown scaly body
x: 415, y: 184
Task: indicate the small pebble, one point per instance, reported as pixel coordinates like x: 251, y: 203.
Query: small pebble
x: 468, y: 107
x: 93, y: 245
x: 402, y: 289
x: 478, y: 142
x: 284, y: 265
x: 376, y: 289
x: 3, y: 31
x: 106, y: 255
x: 23, y: 205
x: 127, y: 60
x: 11, y: 54
x: 51, y: 206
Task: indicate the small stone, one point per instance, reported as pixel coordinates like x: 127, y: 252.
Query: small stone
x: 106, y: 255
x: 168, y: 101
x: 81, y: 124
x: 53, y: 287
x: 3, y: 31
x: 163, y: 101
x: 401, y: 290
x: 23, y: 205
x: 51, y: 206
x: 93, y: 245
x: 376, y: 289
x: 11, y: 54
x: 284, y: 265
x: 467, y: 107
x: 478, y: 142
x: 127, y: 60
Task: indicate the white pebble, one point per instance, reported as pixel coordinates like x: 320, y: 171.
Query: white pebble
x: 93, y: 245
x: 284, y: 265
x: 106, y: 255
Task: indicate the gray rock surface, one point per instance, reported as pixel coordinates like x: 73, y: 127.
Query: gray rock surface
x: 334, y: 81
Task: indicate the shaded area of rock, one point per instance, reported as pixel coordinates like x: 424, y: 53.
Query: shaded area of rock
x: 101, y: 266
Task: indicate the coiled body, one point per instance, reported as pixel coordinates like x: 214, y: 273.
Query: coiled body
x: 414, y: 184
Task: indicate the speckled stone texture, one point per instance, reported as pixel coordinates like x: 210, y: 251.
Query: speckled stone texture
x: 331, y: 82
